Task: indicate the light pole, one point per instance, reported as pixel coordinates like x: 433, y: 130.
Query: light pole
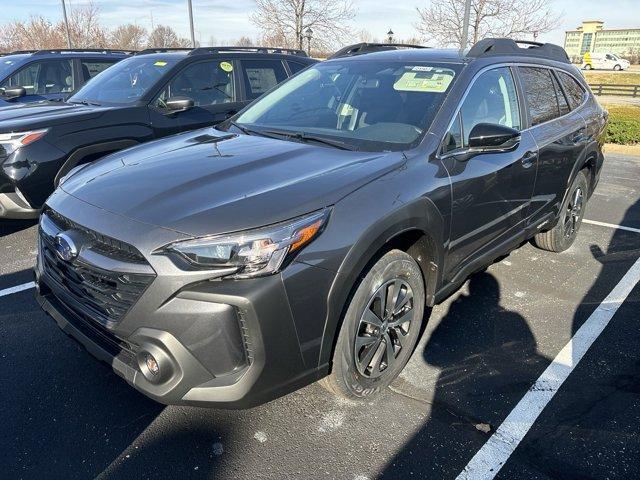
x: 390, y: 36
x: 193, y: 37
x: 66, y: 24
x: 465, y: 25
x: 308, y: 33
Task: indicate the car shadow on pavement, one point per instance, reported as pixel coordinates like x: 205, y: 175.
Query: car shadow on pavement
x: 7, y: 227
x: 64, y: 414
x: 487, y: 357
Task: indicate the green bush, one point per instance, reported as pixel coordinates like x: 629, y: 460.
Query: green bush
x: 624, y: 125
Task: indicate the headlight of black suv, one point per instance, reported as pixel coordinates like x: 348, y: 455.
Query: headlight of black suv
x: 10, y: 142
x: 252, y: 253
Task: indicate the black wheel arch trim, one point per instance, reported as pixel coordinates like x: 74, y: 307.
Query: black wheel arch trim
x: 76, y: 157
x: 421, y: 216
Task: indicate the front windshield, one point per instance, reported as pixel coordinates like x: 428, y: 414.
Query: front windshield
x: 368, y: 105
x: 9, y: 63
x: 125, y: 82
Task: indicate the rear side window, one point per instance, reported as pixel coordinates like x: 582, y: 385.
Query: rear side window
x: 90, y: 68
x: 260, y: 75
x: 295, y: 67
x: 539, y: 94
x: 572, y: 88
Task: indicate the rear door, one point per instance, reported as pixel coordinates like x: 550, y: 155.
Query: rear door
x: 259, y: 75
x: 491, y: 191
x: 560, y: 134
x: 213, y: 86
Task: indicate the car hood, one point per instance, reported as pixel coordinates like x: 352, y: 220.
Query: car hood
x: 16, y: 117
x: 208, y: 182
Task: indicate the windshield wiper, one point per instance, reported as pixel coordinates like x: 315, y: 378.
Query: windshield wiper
x: 306, y: 137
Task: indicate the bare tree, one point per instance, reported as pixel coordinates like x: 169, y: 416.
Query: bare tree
x: 165, y: 37
x: 441, y: 21
x: 85, y: 28
x: 128, y: 37
x: 243, y: 42
x: 283, y: 22
x: 36, y: 33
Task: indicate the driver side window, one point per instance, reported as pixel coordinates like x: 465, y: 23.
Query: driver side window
x: 206, y: 83
x: 491, y: 99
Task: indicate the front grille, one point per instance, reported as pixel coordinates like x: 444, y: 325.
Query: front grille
x: 103, y: 295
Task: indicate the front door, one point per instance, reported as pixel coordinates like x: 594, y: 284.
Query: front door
x: 212, y: 85
x: 491, y: 191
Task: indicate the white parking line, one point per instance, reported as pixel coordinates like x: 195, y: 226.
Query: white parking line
x: 611, y: 225
x: 16, y: 289
x: 488, y: 461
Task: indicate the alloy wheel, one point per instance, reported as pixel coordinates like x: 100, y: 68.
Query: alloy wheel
x: 383, y: 328
x: 573, y: 212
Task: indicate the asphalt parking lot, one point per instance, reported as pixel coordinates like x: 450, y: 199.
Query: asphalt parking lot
x: 66, y: 415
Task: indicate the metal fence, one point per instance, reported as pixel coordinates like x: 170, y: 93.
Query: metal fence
x: 613, y: 89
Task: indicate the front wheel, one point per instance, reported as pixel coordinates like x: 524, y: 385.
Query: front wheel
x: 588, y: 66
x: 562, y: 236
x: 380, y: 328
x: 617, y: 68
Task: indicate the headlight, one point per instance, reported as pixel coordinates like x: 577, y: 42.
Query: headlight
x: 10, y: 142
x: 252, y: 253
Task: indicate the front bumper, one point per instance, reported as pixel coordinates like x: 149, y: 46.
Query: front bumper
x: 14, y: 206
x: 230, y: 344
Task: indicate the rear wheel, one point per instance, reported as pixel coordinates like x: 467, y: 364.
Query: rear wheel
x: 588, y: 66
x: 562, y: 236
x: 617, y: 67
x: 380, y: 328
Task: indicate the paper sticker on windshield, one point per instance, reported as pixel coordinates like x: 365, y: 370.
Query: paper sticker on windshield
x: 436, y: 81
x: 226, y: 66
x: 160, y: 63
x: 419, y: 68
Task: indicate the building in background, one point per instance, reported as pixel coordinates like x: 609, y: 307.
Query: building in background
x: 592, y: 37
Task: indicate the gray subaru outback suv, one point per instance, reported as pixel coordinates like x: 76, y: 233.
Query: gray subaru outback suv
x: 303, y: 238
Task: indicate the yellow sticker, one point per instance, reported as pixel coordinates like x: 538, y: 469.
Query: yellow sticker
x: 424, y: 81
x: 160, y: 63
x: 226, y: 66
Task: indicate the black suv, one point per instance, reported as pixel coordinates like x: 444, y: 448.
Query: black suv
x: 304, y: 237
x: 150, y: 95
x: 34, y: 75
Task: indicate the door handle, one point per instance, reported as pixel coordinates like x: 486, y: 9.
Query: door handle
x: 528, y: 159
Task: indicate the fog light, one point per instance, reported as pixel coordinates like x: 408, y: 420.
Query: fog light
x: 152, y: 364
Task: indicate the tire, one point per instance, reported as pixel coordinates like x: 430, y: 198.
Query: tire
x: 562, y: 236
x: 354, y: 377
x: 617, y: 68
x: 588, y: 66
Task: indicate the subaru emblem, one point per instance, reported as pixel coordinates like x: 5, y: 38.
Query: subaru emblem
x: 65, y: 247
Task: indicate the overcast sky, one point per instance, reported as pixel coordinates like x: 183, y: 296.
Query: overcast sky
x: 228, y: 19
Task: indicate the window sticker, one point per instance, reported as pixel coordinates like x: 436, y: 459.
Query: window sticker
x: 160, y: 63
x: 226, y: 66
x: 419, y: 68
x: 261, y: 79
x: 434, y: 81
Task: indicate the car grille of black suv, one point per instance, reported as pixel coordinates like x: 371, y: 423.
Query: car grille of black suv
x: 106, y: 278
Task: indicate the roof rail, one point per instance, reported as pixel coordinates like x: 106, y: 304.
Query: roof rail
x: 361, y: 48
x: 507, y: 46
x: 286, y: 51
x: 20, y: 52
x: 163, y: 50
x: 77, y: 50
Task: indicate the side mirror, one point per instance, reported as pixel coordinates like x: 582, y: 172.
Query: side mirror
x: 179, y: 104
x: 13, y: 93
x: 493, y: 137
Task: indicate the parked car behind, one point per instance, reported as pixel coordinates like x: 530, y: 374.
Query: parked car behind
x: 303, y: 238
x: 604, y: 61
x: 147, y: 96
x: 35, y: 75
